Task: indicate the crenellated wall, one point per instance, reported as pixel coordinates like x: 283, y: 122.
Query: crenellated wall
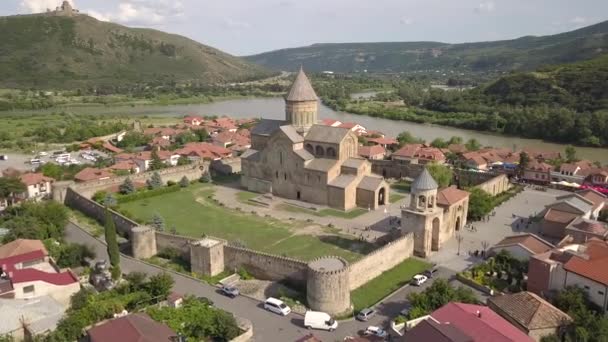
x: 181, y: 243
x: 380, y: 260
x: 175, y: 174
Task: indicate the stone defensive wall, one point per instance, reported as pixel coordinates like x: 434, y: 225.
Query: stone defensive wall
x: 380, y: 260
x: 396, y: 169
x: 95, y: 210
x: 178, y: 242
x: 192, y: 172
x: 490, y: 182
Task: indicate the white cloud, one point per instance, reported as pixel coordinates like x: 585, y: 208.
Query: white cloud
x: 485, y: 7
x: 578, y: 20
x: 406, y: 21
x: 142, y: 12
x: 37, y: 6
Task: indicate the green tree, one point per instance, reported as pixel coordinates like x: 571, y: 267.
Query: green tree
x: 473, y: 145
x: 437, y: 295
x: 184, y: 182
x: 570, y: 154
x: 159, y: 285
x: 155, y: 181
x: 202, y: 135
x: 156, y: 163
x: 455, y: 140
x: 9, y: 187
x: 439, y: 143
x: 442, y: 174
x: 127, y: 187
x: 480, y: 204
x: 206, y: 177
x: 158, y: 222
x: 183, y: 161
x: 524, y: 161
x: 112, y: 243
x: 406, y: 137
x: 137, y: 281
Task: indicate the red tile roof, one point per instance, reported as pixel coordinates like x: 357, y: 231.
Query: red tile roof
x: 369, y: 151
x: 330, y: 122
x: 22, y: 275
x: 383, y: 141
x: 21, y: 246
x: 407, y: 150
x: 126, y: 165
x: 539, y: 166
x: 34, y: 178
x: 529, y: 311
x: 554, y: 215
x: 595, y: 197
x: 594, y: 266
x: 111, y: 148
x: 91, y: 173
x: 451, y: 195
x: 479, y: 322
x: 137, y: 327
x: 204, y: 150
x: 535, y: 244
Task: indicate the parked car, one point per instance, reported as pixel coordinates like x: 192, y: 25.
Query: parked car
x: 42, y: 153
x: 419, y: 279
x: 3, y: 157
x: 230, y: 291
x: 319, y: 320
x: 373, y: 330
x: 406, y: 310
x: 365, y: 314
x: 277, y: 306
x: 431, y: 272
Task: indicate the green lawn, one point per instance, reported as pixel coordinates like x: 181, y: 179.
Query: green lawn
x: 395, y: 197
x: 324, y: 212
x: 376, y: 289
x: 402, y: 186
x: 195, y: 218
x: 245, y: 196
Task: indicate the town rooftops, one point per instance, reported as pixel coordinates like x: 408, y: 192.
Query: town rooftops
x: 424, y: 181
x: 430, y: 330
x: 479, y: 322
x: 597, y: 198
x: 535, y: 165
x: 407, y: 151
x: 326, y: 134
x: 383, y: 141
x: 559, y: 216
x: 451, y: 195
x: 21, y: 246
x: 91, y: 173
x: 370, y: 151
x: 13, y: 268
x: 593, y: 264
x: 301, y: 89
x: 34, y: 178
x: 589, y: 226
x: 529, y: 310
x: 529, y: 241
x: 136, y: 327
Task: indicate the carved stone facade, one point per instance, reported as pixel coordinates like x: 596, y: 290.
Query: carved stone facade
x: 433, y: 217
x: 300, y: 160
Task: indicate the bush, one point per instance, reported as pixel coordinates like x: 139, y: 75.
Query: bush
x: 155, y: 181
x: 184, y: 182
x: 147, y: 194
x: 242, y: 272
x: 170, y: 183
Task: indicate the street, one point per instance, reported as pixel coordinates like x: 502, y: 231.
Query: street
x: 266, y: 326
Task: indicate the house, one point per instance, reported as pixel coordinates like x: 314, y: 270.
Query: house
x: 221, y: 124
x: 38, y: 185
x: 207, y: 151
x: 125, y: 166
x: 542, y: 155
x: 582, y: 229
x: 23, y: 318
x: 598, y: 176
x: 522, y: 246
x: 355, y: 127
x: 419, y: 154
x: 538, y: 172
x: 240, y: 138
x: 129, y: 328
x: 582, y: 265
x: 194, y: 120
x: 91, y: 174
x: 384, y: 142
x: 34, y: 274
x: 372, y: 152
x: 143, y: 159
x: 530, y: 313
x: 159, y: 142
x: 21, y: 246
x: 330, y: 122
x: 558, y: 215
x: 175, y: 300
x: 475, y: 322
x: 109, y: 147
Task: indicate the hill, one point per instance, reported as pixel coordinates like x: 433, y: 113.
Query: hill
x: 525, y: 53
x: 46, y: 51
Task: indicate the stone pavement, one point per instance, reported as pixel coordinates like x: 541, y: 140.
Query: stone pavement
x: 504, y: 223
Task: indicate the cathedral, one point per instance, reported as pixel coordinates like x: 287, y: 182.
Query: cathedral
x: 298, y: 159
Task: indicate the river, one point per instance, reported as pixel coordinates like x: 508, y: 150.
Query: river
x: 273, y: 108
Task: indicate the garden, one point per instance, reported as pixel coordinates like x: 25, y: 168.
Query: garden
x: 501, y: 272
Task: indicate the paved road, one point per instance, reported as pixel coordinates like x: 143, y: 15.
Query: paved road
x: 266, y: 326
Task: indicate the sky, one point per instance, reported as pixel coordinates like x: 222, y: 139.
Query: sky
x: 243, y: 27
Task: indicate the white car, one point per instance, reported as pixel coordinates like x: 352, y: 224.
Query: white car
x: 43, y: 154
x: 277, y: 306
x: 319, y: 320
x: 419, y: 279
x: 373, y: 330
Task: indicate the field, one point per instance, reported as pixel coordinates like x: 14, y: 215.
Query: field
x: 193, y: 213
x: 376, y: 289
x: 324, y: 212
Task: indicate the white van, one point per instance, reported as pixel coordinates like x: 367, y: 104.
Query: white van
x: 276, y: 306
x: 319, y: 320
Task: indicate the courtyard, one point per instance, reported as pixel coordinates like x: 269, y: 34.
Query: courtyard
x: 193, y: 212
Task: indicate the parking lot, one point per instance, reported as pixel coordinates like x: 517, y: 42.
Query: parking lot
x: 23, y: 161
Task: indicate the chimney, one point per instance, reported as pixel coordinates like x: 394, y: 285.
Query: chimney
x: 478, y: 313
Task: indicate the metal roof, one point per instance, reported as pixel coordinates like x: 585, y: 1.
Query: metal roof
x: 354, y: 163
x: 267, y: 127
x: 321, y: 164
x: 301, y: 89
x: 370, y: 183
x: 424, y: 181
x: 342, y: 181
x: 326, y: 134
x: 292, y: 134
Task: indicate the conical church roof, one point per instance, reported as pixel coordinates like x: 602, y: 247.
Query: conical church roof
x: 301, y: 89
x: 424, y: 182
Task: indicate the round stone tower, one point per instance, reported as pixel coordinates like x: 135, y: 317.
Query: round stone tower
x: 143, y: 242
x: 327, y: 287
x: 301, y: 104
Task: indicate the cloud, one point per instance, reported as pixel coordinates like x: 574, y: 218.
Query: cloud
x: 578, y: 20
x: 485, y: 7
x: 406, y: 21
x: 37, y: 6
x: 142, y: 12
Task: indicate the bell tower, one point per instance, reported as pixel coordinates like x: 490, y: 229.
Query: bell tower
x: 301, y: 104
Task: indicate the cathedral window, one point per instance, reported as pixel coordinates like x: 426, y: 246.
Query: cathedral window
x: 281, y: 157
x: 309, y: 148
x: 430, y: 201
x: 421, y: 201
x: 319, y: 179
x: 277, y: 174
x: 285, y: 175
x: 319, y: 151
x: 331, y: 152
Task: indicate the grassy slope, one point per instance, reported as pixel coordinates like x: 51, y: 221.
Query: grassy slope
x: 192, y: 218
x: 47, y: 51
x: 524, y: 53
